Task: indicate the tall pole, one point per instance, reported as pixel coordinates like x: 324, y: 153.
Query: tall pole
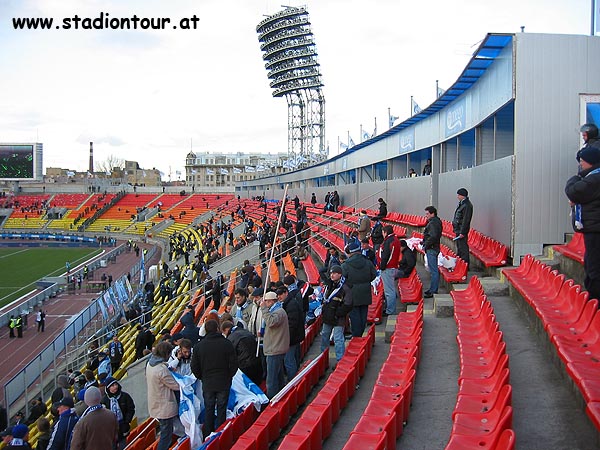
x: 593, y: 28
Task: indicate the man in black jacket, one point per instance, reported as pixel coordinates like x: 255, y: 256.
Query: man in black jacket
x: 583, y: 191
x: 461, y: 224
x: 63, y: 427
x: 292, y: 306
x: 244, y: 343
x: 359, y: 272
x: 337, y: 303
x: 215, y: 373
x: 431, y: 244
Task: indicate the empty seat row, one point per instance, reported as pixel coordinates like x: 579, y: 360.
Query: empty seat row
x: 317, y: 420
x: 482, y: 416
x: 388, y: 408
x: 410, y: 288
x: 574, y: 249
x: 571, y: 321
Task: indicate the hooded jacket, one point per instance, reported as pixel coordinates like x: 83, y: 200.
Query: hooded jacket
x: 584, y: 189
x: 359, y: 272
x: 125, y: 402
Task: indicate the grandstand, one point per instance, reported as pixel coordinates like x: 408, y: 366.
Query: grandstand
x: 505, y: 356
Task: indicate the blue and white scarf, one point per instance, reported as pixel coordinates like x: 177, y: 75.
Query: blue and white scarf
x: 272, y: 309
x: 335, y: 291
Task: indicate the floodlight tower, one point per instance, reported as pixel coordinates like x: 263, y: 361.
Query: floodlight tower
x: 290, y: 57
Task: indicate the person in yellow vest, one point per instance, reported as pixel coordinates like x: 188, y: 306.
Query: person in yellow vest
x: 11, y: 326
x: 19, y: 326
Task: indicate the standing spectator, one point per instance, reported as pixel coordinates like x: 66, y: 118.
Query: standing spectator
x: 327, y: 205
x: 97, y: 428
x: 276, y: 341
x: 105, y: 366
x: 140, y: 342
x: 377, y: 233
x: 244, y: 344
x: 120, y: 403
x: 427, y: 168
x: 243, y: 308
x: 313, y: 199
x: 180, y: 360
x: 63, y: 427
x: 115, y: 353
x: 162, y: 404
x: 589, y: 134
x: 383, y: 211
x: 40, y: 319
x: 215, y: 373
x: 292, y: 305
x: 431, y: 244
x: 149, y: 337
x: 256, y: 319
x: 359, y: 272
x: 335, y: 201
x: 583, y: 191
x: 43, y: 426
x: 337, y: 303
x: 364, y: 225
x: 389, y: 258
x: 332, y: 259
x: 461, y: 224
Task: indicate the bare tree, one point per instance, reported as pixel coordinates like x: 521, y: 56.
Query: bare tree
x: 110, y: 163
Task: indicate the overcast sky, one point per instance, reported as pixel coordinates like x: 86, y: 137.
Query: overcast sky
x: 148, y: 95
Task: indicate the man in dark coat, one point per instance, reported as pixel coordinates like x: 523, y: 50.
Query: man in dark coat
x: 431, y: 244
x: 461, y: 224
x: 63, y: 427
x: 292, y: 305
x: 337, y: 303
x: 244, y: 343
x: 359, y: 272
x: 140, y: 342
x: 215, y: 373
x: 583, y: 191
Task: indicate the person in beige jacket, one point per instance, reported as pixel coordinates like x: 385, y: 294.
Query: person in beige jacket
x: 162, y: 404
x: 276, y: 341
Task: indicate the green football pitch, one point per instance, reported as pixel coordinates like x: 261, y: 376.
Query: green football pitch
x: 21, y: 267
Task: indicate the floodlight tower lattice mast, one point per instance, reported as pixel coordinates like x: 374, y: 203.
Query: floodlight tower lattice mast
x: 290, y: 56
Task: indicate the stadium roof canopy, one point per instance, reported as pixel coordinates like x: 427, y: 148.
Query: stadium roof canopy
x: 482, y: 59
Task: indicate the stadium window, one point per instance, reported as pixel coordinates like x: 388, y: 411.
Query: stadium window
x: 366, y: 174
x: 381, y: 171
x: 398, y: 166
x: 505, y: 132
x: 485, y: 143
x: 449, y: 155
x: 466, y: 149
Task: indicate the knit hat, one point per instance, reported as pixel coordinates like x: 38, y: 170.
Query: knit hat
x: 258, y: 292
x: 352, y: 247
x: 92, y: 396
x: 463, y: 192
x: 108, y: 381
x: 590, y: 155
x: 20, y: 431
x: 336, y: 269
x: 81, y: 394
